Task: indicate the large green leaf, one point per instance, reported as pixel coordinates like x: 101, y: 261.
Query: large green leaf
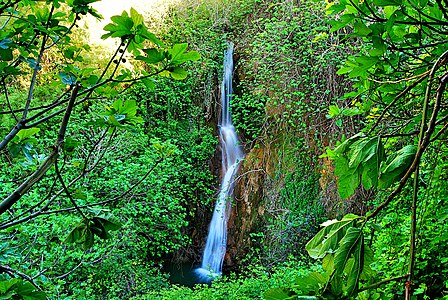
x: 348, y: 182
x: 178, y: 56
x: 373, y: 155
x: 27, y: 133
x: 5, y: 285
x: 16, y: 288
x: 357, y: 160
x: 85, y: 231
x: 396, y: 166
x: 311, y: 283
x: 347, y: 247
x: 328, y: 238
x: 122, y: 26
x: 350, y: 248
x: 277, y: 294
x: 177, y: 50
x: 178, y: 73
x: 136, y: 18
x: 109, y: 222
x: 153, y: 56
x: 356, y: 268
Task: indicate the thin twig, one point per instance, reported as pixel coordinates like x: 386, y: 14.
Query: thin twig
x: 401, y: 94
x: 67, y: 192
x: 375, y: 285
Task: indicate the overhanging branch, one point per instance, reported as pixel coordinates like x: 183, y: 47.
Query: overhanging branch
x: 47, y: 164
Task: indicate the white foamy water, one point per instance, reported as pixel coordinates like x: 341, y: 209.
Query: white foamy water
x: 232, y: 154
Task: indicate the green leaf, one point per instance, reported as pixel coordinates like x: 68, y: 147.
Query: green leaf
x: 154, y: 56
x: 347, y: 143
x: 38, y: 295
x: 333, y: 111
x: 67, y: 78
x: 24, y: 134
x: 358, y: 160
x: 78, y: 234
x: 361, y: 29
x: 109, y: 222
x: 348, y: 183
x: 342, y: 22
x: 378, y: 47
x: 383, y: 3
x: 178, y: 73
x: 98, y: 228
x: 312, y: 282
x: 277, y: 294
x: 79, y: 194
x: 123, y: 21
x: 70, y: 144
x: 327, y: 239
x: 122, y: 26
x: 177, y: 50
x: 149, y: 84
x: 6, y: 54
x: 396, y: 166
x: 6, y: 285
x: 190, y: 56
x: 356, y: 269
x: 8, y: 296
x: 364, y: 63
x: 371, y: 164
x: 344, y: 70
x: 328, y: 263
x: 89, y: 238
x: 137, y: 18
x: 347, y: 248
x: 30, y: 292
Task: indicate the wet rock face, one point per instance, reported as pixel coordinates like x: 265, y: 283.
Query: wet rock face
x: 248, y: 208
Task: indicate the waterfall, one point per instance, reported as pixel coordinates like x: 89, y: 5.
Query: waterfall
x: 232, y: 154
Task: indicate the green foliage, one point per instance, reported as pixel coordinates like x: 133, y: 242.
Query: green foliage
x: 122, y: 113
x: 327, y: 240
x: 399, y: 77
x: 250, y: 284
x: 107, y: 165
x: 85, y: 231
x: 346, y: 259
x: 297, y: 218
x: 283, y: 72
x: 17, y: 289
x: 362, y: 159
x: 130, y: 29
x: 396, y: 165
x: 249, y: 113
x: 24, y: 141
x: 358, y: 159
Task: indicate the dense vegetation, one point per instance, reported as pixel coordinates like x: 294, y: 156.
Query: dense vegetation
x: 108, y: 166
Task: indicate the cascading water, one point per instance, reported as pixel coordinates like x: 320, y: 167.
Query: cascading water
x: 232, y: 154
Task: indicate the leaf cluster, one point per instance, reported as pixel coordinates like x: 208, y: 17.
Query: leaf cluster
x: 362, y: 160
x: 85, y: 231
x: 15, y: 288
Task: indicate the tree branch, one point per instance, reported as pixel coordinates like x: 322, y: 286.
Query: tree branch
x: 11, y: 271
x: 47, y: 164
x: 425, y: 141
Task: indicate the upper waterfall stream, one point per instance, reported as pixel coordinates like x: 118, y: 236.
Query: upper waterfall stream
x: 232, y: 154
